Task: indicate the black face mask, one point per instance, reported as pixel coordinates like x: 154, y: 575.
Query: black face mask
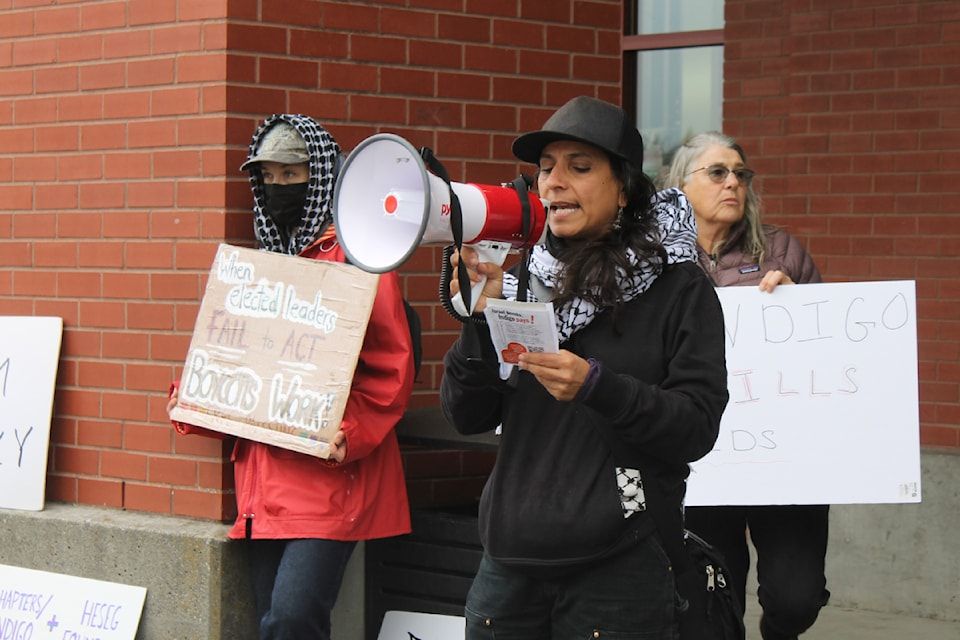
x: 285, y: 203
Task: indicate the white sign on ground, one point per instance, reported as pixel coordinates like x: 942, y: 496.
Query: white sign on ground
x: 29, y: 354
x: 409, y: 625
x: 39, y: 604
x: 823, y: 398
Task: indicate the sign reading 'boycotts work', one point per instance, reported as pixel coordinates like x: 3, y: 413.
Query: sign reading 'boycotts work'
x: 274, y: 349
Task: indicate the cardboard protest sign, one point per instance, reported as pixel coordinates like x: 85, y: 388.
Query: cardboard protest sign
x: 29, y: 355
x: 823, y: 398
x: 275, y: 346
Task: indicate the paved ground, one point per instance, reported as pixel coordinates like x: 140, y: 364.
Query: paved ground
x: 835, y: 623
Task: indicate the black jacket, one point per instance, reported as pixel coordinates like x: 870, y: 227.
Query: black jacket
x: 552, y: 499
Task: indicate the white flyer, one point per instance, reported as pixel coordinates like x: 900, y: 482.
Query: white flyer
x: 520, y: 327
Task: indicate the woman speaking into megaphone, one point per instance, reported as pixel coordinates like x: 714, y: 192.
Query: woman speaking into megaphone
x: 596, y: 439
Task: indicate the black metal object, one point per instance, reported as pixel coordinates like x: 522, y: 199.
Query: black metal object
x: 428, y: 571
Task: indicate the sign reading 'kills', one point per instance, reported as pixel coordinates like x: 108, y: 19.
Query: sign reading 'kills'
x: 824, y: 404
x: 274, y: 349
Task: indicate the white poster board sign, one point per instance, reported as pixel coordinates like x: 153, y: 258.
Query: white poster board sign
x: 39, y: 604
x: 823, y: 398
x: 29, y: 354
x: 409, y: 625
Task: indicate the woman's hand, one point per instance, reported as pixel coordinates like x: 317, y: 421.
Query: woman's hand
x: 172, y: 402
x: 772, y: 279
x: 561, y: 374
x: 492, y: 288
x: 338, y: 447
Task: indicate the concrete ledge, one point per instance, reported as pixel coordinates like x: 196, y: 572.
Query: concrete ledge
x: 901, y: 558
x: 898, y: 559
x: 429, y: 426
x: 195, y: 578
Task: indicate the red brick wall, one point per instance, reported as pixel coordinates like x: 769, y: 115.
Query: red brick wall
x: 122, y: 125
x: 112, y: 131
x: 851, y: 111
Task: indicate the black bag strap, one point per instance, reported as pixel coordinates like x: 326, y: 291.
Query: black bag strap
x: 456, y: 220
x: 522, y: 187
x: 667, y: 515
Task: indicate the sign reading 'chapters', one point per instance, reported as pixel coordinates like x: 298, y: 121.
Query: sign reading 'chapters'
x: 274, y: 349
x: 40, y: 604
x: 823, y: 403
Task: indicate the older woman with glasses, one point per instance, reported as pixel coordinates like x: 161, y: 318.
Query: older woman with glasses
x: 736, y: 249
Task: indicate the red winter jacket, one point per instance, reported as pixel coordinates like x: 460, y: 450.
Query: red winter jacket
x: 285, y: 494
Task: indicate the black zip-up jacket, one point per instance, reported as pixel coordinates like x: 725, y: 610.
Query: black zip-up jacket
x: 552, y: 498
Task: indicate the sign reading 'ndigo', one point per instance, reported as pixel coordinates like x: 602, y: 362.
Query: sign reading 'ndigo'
x: 824, y: 404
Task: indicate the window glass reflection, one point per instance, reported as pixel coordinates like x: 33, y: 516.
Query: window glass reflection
x: 679, y: 93
x: 666, y: 16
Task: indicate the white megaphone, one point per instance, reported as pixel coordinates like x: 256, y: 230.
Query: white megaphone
x: 386, y: 205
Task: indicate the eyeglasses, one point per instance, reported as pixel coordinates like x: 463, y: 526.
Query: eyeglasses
x: 718, y: 174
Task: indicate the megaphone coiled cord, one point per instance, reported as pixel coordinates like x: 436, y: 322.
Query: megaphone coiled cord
x: 446, y: 273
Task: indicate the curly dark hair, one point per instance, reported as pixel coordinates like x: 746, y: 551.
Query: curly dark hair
x: 590, y: 267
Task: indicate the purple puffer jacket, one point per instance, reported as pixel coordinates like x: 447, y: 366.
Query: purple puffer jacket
x: 734, y: 268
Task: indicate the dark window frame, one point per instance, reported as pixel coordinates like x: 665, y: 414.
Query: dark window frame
x: 676, y: 40
x: 631, y: 44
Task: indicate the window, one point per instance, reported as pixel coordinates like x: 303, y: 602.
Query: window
x: 673, y: 63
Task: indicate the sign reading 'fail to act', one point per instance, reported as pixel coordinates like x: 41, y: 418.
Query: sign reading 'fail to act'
x: 275, y: 347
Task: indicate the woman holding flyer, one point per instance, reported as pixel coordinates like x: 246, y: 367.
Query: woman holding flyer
x: 597, y: 436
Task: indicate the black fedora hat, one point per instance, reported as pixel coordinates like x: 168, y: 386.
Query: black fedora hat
x: 589, y: 120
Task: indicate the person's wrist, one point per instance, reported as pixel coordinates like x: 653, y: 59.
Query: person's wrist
x: 590, y: 381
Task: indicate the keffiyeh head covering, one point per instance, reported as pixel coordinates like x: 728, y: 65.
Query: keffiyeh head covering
x: 323, y: 152
x: 677, y: 231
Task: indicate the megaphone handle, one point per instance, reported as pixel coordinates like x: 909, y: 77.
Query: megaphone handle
x: 487, y: 251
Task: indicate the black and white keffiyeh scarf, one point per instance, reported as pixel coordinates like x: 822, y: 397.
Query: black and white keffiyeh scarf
x: 677, y: 230
x: 318, y: 212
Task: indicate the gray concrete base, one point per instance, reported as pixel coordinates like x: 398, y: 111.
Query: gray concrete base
x: 196, y: 579
x: 899, y: 558
x: 837, y: 623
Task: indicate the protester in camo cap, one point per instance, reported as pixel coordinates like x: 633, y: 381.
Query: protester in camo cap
x: 293, y: 163
x: 300, y: 517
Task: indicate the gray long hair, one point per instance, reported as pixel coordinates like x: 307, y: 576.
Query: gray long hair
x: 683, y: 160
